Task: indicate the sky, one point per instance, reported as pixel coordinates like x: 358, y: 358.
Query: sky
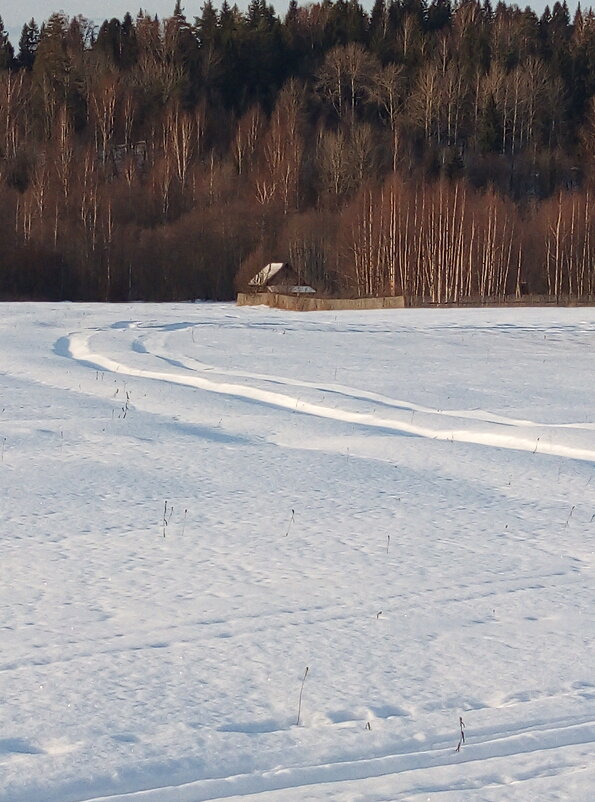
x: 16, y: 14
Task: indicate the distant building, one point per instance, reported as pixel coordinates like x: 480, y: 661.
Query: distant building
x: 279, y: 277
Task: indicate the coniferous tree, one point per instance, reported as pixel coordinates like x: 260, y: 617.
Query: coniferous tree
x: 182, y: 48
x: 28, y: 44
x: 109, y: 41
x: 154, y: 160
x: 489, y: 134
x: 438, y: 15
x: 129, y: 46
x: 6, y: 49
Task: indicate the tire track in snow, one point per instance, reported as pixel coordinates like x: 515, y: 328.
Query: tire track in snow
x: 76, y: 346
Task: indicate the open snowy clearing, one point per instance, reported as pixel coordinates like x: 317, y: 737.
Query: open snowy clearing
x: 200, y: 501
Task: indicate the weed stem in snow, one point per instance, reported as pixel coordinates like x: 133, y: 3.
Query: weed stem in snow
x: 291, y: 520
x: 462, y: 738
x: 300, y: 701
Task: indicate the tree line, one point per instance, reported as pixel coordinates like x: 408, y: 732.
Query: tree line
x: 442, y: 150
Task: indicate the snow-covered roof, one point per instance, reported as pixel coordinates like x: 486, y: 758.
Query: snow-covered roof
x: 301, y: 289
x: 266, y: 274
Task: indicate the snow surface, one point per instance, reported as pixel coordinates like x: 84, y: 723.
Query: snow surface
x: 401, y: 501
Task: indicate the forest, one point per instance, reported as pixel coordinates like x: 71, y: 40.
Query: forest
x: 444, y: 151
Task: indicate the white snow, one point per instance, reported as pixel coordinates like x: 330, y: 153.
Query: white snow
x: 401, y: 501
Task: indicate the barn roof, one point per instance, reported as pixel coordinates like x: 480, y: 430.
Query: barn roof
x: 266, y: 274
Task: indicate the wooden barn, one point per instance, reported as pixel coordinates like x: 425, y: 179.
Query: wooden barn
x: 279, y: 277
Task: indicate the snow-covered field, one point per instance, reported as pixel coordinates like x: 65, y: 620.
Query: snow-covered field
x: 403, y: 502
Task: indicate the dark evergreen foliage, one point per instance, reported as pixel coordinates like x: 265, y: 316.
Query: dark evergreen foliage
x: 152, y: 159
x: 6, y: 49
x: 28, y: 44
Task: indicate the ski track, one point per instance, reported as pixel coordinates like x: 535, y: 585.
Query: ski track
x: 529, y: 735
x: 355, y: 395
x: 77, y: 347
x: 201, y: 629
x: 491, y: 750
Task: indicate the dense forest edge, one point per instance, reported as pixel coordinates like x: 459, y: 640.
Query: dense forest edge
x: 437, y: 150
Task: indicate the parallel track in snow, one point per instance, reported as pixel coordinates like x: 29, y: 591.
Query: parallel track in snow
x: 474, y: 426
x: 490, y: 753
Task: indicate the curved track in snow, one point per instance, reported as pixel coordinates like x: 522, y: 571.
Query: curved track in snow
x: 197, y: 507
x: 465, y: 426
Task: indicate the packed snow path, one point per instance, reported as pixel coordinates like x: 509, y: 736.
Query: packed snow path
x: 517, y: 434
x: 199, y: 501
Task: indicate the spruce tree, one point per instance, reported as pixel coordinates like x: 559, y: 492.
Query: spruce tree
x: 6, y: 49
x: 28, y: 44
x: 129, y: 47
